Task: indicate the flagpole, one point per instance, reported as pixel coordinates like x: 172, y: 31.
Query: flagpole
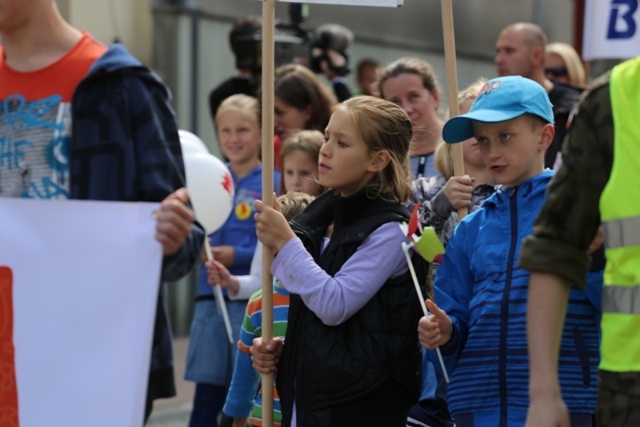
x: 405, y: 249
x: 452, y: 85
x: 268, y: 59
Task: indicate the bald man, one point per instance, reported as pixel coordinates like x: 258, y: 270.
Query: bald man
x: 520, y: 50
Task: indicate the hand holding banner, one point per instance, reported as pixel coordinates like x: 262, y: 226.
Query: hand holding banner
x: 85, y: 288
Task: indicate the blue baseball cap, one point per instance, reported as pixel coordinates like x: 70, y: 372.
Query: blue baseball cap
x: 500, y: 99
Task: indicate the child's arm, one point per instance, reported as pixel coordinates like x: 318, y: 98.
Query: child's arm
x: 245, y: 380
x: 243, y: 388
x: 458, y: 190
x: 248, y: 284
x: 453, y: 288
x: 436, y: 329
x: 335, y: 299
x: 439, y: 199
x: 240, y: 287
x: 225, y: 254
x: 217, y: 274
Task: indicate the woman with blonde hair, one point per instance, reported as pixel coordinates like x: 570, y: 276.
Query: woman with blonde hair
x: 563, y: 64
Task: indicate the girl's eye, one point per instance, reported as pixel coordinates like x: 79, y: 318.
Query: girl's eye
x: 342, y: 144
x: 481, y: 139
x: 505, y: 136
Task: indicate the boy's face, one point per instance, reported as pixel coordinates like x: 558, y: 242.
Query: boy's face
x: 513, y: 150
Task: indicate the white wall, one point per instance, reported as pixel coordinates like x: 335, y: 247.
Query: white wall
x: 129, y: 20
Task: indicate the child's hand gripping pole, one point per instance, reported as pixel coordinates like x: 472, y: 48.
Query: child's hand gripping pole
x: 217, y: 291
x: 423, y: 250
x: 452, y: 85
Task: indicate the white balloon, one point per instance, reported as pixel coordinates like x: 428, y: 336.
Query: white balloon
x: 191, y: 143
x: 210, y: 188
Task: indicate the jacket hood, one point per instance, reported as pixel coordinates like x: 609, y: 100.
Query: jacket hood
x: 118, y: 59
x: 115, y: 58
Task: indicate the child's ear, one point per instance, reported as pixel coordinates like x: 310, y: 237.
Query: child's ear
x: 379, y: 161
x: 308, y: 112
x: 547, y: 132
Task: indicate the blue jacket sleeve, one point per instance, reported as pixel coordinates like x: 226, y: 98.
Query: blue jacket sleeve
x: 126, y: 147
x: 158, y: 134
x: 243, y: 388
x: 453, y: 288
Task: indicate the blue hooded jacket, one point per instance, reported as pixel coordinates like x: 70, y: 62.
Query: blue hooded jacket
x: 125, y: 147
x: 480, y: 287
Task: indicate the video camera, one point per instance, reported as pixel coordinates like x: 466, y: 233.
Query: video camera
x: 292, y: 44
x: 330, y: 37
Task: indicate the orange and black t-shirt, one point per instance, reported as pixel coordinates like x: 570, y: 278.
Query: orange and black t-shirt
x: 35, y: 122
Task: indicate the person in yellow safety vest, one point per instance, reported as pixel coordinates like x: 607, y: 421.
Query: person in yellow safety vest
x: 598, y: 182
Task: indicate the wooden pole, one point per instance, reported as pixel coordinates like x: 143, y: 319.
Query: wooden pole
x: 268, y: 59
x: 452, y: 85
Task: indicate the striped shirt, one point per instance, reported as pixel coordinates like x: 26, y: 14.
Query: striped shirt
x: 244, y: 397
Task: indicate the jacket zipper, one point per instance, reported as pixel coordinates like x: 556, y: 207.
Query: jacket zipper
x: 504, y: 308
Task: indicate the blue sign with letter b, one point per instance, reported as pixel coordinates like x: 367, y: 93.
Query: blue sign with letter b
x: 621, y: 22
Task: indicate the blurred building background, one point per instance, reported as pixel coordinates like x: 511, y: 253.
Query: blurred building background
x: 186, y: 43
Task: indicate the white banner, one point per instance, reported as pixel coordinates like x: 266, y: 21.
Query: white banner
x: 611, y: 29
x: 381, y: 3
x: 79, y: 283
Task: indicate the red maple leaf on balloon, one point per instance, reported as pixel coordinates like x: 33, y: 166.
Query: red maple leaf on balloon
x: 227, y: 182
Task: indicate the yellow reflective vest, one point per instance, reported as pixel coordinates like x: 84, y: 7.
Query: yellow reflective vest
x: 620, y: 213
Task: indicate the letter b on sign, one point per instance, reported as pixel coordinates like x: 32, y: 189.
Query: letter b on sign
x: 621, y: 21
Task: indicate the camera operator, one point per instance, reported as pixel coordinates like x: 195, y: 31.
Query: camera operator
x: 244, y: 39
x: 328, y: 55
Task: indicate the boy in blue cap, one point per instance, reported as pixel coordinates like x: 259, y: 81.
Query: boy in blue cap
x: 480, y: 320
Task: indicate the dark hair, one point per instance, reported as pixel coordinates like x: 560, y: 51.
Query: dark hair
x: 297, y: 86
x: 244, y: 39
x: 366, y: 63
x: 384, y: 126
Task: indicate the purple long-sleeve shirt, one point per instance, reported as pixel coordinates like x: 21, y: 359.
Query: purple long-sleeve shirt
x: 335, y: 299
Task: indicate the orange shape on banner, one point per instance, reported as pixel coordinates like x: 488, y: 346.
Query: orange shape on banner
x: 8, y: 387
